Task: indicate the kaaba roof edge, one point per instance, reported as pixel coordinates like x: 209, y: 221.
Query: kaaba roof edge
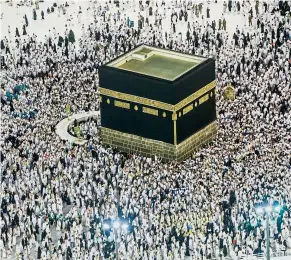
x: 203, y: 61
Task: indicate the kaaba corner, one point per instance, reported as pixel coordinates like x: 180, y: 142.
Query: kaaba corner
x: 158, y: 102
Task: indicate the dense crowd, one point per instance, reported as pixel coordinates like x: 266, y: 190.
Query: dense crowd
x: 56, y: 196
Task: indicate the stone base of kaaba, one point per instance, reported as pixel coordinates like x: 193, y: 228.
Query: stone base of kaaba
x: 149, y: 147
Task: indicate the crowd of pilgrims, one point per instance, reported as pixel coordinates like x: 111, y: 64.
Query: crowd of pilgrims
x: 56, y: 196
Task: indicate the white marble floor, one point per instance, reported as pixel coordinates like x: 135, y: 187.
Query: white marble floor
x: 14, y: 16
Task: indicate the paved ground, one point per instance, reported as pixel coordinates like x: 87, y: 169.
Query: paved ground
x: 13, y: 16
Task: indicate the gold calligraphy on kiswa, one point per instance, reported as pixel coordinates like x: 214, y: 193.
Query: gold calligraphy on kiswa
x: 121, y: 104
x: 187, y: 109
x: 203, y: 99
x: 156, y: 103
x: 150, y: 111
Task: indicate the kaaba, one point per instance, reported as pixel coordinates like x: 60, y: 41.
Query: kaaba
x: 158, y: 102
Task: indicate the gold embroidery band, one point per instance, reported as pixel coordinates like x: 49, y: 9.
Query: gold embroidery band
x: 155, y: 103
x: 203, y: 99
x: 136, y: 99
x: 150, y: 111
x: 195, y: 95
x: 187, y: 109
x: 121, y: 104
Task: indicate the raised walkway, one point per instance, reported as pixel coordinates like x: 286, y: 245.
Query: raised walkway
x: 63, y: 126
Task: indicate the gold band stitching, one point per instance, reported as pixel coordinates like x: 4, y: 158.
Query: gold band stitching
x: 121, y: 104
x: 150, y: 111
x: 155, y: 103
